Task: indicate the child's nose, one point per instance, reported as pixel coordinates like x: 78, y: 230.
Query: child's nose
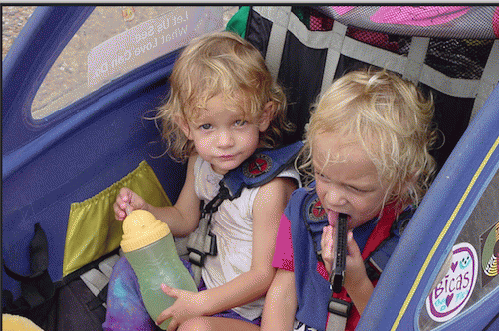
x: 336, y: 197
x: 225, y: 138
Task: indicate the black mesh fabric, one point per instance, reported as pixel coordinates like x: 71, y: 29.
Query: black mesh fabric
x: 459, y: 58
x: 302, y: 67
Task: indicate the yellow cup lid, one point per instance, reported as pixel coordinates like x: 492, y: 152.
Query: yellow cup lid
x: 140, y: 229
x: 16, y: 323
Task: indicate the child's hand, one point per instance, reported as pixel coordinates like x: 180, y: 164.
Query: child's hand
x: 185, y: 307
x: 327, y: 244
x: 357, y: 284
x: 355, y: 272
x: 127, y: 201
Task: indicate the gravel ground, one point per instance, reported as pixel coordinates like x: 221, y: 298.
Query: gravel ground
x: 15, y: 17
x: 69, y: 72
x: 13, y: 20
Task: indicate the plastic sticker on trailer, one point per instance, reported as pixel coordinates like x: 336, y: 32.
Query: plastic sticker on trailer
x: 452, y: 293
x: 489, y: 243
x: 150, y: 40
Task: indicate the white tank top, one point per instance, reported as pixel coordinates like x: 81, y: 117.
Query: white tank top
x: 233, y: 226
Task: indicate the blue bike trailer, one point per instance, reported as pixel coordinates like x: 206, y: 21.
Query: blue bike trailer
x: 81, y: 84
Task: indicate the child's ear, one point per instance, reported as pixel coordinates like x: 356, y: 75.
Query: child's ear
x: 184, y: 126
x: 267, y: 116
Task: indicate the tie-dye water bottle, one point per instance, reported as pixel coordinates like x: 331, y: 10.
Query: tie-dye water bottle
x: 149, y: 247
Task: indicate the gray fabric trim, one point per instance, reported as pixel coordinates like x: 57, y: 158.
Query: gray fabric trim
x: 411, y: 66
x: 489, y: 79
x: 461, y: 88
x: 280, y: 18
x: 374, y: 55
x: 333, y: 54
x: 415, y: 59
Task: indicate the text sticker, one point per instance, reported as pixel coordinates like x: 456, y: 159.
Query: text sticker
x: 452, y: 293
x: 150, y: 40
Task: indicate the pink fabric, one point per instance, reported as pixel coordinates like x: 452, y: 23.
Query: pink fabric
x: 495, y: 22
x: 321, y: 269
x: 418, y: 15
x: 283, y: 255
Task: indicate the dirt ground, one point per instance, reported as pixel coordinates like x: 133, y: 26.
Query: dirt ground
x: 15, y: 17
x: 13, y: 20
x: 69, y: 72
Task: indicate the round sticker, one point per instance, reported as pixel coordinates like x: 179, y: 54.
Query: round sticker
x: 452, y: 293
x: 490, y: 254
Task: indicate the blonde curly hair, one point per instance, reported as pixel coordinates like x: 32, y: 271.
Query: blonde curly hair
x: 221, y: 63
x: 391, y: 120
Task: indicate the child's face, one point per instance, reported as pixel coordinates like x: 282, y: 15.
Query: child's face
x: 224, y: 137
x: 346, y: 179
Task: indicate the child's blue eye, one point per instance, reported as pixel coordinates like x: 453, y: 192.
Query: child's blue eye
x: 205, y: 126
x: 240, y: 122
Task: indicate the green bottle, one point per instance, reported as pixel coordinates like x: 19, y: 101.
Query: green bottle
x: 149, y: 247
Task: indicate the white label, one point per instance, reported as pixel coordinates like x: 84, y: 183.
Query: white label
x: 150, y: 40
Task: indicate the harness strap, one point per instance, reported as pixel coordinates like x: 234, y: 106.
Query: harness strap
x: 97, y: 280
x: 259, y: 169
x: 107, y: 265
x: 212, y: 206
x: 377, y: 260
x: 38, y: 287
x: 202, y: 242
x: 338, y: 311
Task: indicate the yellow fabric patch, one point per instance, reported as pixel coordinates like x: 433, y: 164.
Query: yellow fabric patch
x: 18, y: 323
x: 92, y: 229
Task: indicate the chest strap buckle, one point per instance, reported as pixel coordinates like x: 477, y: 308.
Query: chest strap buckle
x: 338, y: 314
x: 339, y: 307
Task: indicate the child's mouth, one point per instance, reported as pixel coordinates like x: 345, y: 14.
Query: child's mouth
x: 333, y: 216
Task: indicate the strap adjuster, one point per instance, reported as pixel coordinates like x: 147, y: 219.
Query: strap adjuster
x: 210, y: 247
x: 196, y: 257
x: 339, y: 307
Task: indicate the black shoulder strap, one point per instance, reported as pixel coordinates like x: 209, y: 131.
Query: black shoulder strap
x: 212, y: 206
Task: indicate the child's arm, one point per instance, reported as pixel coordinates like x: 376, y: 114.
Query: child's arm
x: 182, y: 218
x: 267, y: 210
x: 281, y: 302
x: 357, y: 284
